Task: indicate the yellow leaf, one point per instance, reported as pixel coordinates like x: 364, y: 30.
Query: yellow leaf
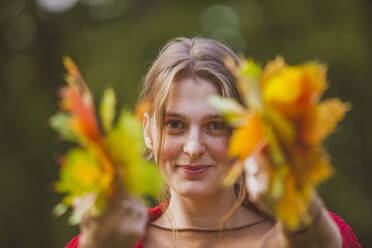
x: 233, y: 174
x: 284, y: 87
x: 70, y: 66
x: 315, y: 78
x: 320, y: 170
x: 107, y: 108
x: 272, y: 67
x: 294, y: 201
x: 86, y: 173
x: 325, y: 118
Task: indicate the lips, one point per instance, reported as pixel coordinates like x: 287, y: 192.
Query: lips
x: 194, y: 170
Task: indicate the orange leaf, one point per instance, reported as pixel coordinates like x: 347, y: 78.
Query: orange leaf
x: 246, y: 138
x: 293, y: 89
x: 324, y: 119
x: 141, y: 109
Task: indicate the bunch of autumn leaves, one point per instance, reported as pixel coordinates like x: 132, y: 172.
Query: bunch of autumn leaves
x: 107, y: 159
x: 283, y: 113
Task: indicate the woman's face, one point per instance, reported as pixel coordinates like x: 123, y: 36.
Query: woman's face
x: 194, y: 157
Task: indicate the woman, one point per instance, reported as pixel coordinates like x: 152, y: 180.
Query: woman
x: 188, y: 139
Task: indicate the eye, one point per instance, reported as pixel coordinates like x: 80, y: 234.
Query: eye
x: 174, y: 126
x: 217, y: 127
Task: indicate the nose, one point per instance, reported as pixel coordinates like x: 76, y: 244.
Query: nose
x: 194, y: 145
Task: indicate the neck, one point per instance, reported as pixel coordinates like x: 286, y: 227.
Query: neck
x: 205, y: 212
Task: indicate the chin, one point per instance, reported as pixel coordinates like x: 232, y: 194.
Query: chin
x: 195, y: 189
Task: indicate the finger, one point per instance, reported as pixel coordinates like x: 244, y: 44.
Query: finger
x: 257, y: 178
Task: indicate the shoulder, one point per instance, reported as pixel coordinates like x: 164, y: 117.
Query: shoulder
x: 154, y: 213
x: 349, y: 239
x: 74, y: 242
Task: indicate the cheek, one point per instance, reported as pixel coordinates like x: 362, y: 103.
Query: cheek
x: 171, y: 150
x: 218, y: 148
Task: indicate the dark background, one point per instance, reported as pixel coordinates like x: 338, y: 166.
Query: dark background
x: 113, y: 43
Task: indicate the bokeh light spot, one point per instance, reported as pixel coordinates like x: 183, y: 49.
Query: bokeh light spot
x: 217, y: 16
x: 9, y: 9
x: 230, y: 36
x: 108, y: 10
x: 21, y: 31
x: 56, y: 5
x: 93, y: 2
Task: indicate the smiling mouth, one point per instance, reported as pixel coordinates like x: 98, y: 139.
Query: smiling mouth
x: 194, y: 170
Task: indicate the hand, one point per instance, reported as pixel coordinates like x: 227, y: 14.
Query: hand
x: 320, y: 232
x: 121, y: 225
x: 257, y: 170
x: 257, y: 174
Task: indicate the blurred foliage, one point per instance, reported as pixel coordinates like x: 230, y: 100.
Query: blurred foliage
x: 282, y: 111
x: 114, y: 41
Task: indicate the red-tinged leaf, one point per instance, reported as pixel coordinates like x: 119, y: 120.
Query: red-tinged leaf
x: 83, y: 120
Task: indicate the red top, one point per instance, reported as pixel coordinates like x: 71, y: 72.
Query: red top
x: 349, y: 239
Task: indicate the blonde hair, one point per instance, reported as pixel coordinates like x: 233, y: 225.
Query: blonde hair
x: 183, y: 57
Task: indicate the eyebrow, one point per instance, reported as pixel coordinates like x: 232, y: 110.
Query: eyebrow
x: 178, y: 115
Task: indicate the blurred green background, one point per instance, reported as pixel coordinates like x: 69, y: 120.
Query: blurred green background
x: 114, y: 42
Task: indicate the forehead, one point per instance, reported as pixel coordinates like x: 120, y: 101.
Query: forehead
x: 190, y: 96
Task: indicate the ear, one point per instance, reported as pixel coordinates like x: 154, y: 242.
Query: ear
x: 147, y: 131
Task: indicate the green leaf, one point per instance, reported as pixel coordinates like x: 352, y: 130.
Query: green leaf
x: 126, y: 145
x: 251, y: 69
x: 282, y: 126
x: 278, y: 182
x: 125, y: 140
x: 275, y: 150
x: 61, y: 123
x: 107, y: 108
x: 143, y: 178
x: 229, y: 108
